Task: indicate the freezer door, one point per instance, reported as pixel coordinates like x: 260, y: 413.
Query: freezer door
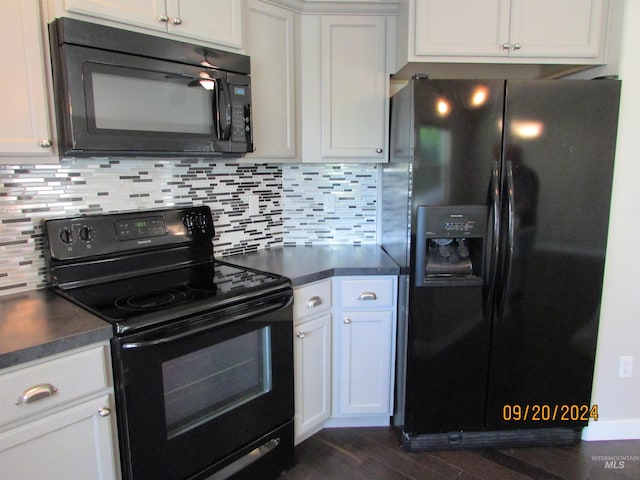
x: 457, y: 136
x: 557, y: 169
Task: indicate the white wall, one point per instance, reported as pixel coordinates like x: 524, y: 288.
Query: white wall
x: 618, y: 399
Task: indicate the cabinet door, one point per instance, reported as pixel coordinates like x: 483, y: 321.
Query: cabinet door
x: 217, y: 21
x: 312, y: 352
x: 461, y: 27
x: 270, y: 45
x: 24, y: 121
x: 365, y: 346
x: 556, y: 28
x: 76, y: 443
x: 143, y: 13
x: 354, y: 88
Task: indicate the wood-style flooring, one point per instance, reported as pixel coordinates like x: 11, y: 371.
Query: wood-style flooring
x: 374, y: 454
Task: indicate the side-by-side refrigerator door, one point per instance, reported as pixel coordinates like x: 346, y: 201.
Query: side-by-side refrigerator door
x: 557, y: 170
x: 457, y: 143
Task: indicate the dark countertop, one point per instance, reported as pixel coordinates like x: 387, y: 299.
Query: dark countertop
x: 309, y: 264
x: 39, y: 323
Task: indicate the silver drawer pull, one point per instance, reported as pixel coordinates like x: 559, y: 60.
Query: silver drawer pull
x: 37, y: 392
x: 300, y: 335
x: 104, y: 412
x: 366, y: 296
x: 346, y: 320
x: 314, y: 302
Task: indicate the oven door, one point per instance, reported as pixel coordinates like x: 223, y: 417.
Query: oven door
x: 110, y: 102
x: 194, y: 395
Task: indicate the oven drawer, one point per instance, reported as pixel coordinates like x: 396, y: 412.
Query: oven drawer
x: 44, y: 386
x: 311, y: 299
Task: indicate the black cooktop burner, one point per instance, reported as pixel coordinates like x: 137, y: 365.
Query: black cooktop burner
x: 168, y: 293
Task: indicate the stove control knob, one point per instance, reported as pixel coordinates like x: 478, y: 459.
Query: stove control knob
x: 201, y: 220
x: 188, y: 222
x: 66, y: 236
x: 86, y: 234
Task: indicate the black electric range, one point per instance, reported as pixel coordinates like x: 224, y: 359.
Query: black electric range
x: 201, y: 348
x: 146, y: 268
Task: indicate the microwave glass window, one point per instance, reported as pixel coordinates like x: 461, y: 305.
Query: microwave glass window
x: 205, y: 384
x: 146, y: 104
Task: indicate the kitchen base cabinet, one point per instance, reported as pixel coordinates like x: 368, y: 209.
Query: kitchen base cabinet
x: 364, y: 350
x: 57, y: 417
x: 312, y: 357
x: 75, y: 443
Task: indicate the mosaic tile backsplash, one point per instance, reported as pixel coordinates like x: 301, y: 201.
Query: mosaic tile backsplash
x: 254, y: 206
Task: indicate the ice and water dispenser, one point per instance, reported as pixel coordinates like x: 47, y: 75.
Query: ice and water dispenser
x: 450, y: 243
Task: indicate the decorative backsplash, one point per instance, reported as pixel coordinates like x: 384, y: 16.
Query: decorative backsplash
x: 329, y: 204
x: 254, y: 206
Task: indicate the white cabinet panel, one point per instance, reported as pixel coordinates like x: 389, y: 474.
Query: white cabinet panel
x: 271, y: 47
x: 364, y: 356
x: 502, y: 31
x: 556, y: 28
x: 312, y: 351
x: 76, y: 443
x: 311, y: 299
x: 66, y: 430
x: 354, y: 87
x: 344, y: 91
x: 461, y: 27
x: 214, y: 21
x: 24, y: 121
x: 73, y: 376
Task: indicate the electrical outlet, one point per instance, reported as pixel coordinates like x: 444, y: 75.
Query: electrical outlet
x: 253, y: 206
x: 329, y: 203
x: 625, y: 366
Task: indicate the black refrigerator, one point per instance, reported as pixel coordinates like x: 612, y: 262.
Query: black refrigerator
x: 495, y: 203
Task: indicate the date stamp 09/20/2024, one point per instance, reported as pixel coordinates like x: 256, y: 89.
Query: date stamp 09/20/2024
x: 573, y: 413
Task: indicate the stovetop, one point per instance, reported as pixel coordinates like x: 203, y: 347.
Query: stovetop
x: 207, y: 284
x: 144, y: 269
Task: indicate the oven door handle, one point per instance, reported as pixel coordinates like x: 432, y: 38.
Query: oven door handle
x: 250, y: 312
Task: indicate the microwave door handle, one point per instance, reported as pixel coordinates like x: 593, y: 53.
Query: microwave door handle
x: 223, y: 110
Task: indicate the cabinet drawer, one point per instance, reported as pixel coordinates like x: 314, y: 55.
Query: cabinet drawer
x: 311, y: 299
x: 367, y: 292
x: 52, y: 383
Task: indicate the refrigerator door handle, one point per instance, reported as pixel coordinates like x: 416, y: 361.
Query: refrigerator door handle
x: 494, y: 230
x: 509, y: 247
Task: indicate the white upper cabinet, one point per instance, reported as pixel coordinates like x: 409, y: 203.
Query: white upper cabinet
x: 25, y: 128
x: 270, y: 43
x: 502, y: 31
x: 344, y: 84
x: 212, y: 21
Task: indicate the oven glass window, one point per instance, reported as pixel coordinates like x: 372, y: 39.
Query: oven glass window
x: 124, y: 102
x: 205, y: 384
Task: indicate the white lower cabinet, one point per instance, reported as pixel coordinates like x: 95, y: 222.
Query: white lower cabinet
x: 364, y: 332
x: 57, y: 418
x: 312, y: 375
x: 363, y: 379
x: 344, y: 357
x: 75, y: 443
x: 312, y: 357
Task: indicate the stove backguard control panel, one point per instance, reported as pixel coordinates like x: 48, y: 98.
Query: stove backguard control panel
x: 93, y: 235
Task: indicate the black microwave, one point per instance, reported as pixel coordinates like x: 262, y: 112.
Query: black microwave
x: 120, y: 93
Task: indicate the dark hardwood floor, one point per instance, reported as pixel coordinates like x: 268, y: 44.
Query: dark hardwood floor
x: 374, y: 454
